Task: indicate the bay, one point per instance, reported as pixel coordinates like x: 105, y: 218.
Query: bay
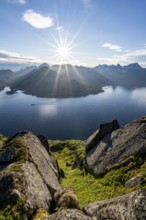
x: 69, y: 118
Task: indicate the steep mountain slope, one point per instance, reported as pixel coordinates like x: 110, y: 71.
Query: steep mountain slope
x: 6, y: 76
x: 68, y: 81
x: 132, y: 75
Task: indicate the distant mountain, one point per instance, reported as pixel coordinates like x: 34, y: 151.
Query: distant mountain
x: 130, y: 75
x: 25, y: 70
x: 6, y: 76
x: 60, y: 81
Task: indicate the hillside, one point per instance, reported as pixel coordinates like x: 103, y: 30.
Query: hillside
x: 41, y: 179
x: 68, y: 82
x: 71, y: 81
x: 6, y: 76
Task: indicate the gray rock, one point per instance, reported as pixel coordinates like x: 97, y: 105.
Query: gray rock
x: 103, y: 130
x: 115, y: 148
x: 36, y: 191
x: 128, y: 207
x: 134, y: 181
x: 45, y: 164
x: 34, y: 179
x: 69, y: 214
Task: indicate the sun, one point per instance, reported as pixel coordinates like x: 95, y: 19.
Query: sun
x: 63, y: 51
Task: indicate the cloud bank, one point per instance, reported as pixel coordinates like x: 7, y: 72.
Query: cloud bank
x: 10, y: 57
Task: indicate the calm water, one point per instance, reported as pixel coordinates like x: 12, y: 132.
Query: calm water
x: 69, y: 118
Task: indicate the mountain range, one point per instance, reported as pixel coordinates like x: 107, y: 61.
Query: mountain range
x: 63, y: 81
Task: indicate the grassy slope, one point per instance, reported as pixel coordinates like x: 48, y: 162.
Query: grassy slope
x: 88, y: 188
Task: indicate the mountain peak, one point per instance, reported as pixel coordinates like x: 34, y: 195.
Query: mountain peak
x: 134, y: 66
x: 44, y: 65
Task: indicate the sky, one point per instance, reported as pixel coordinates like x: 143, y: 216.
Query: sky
x: 79, y: 32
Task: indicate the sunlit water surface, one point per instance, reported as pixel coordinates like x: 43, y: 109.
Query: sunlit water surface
x: 70, y: 117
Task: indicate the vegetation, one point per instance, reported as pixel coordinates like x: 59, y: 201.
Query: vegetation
x: 41, y: 214
x: 86, y: 186
x: 2, y: 140
x: 13, y: 211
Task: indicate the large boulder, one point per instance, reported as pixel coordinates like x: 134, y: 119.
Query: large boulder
x: 69, y: 214
x: 28, y: 174
x: 97, y: 136
x: 117, y: 148
x: 128, y: 207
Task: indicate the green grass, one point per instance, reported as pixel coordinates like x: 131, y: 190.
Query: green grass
x: 13, y: 211
x: 2, y: 140
x: 87, y: 187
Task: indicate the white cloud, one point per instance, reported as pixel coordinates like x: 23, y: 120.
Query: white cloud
x: 59, y: 28
x: 113, y: 47
x: 10, y: 57
x: 128, y: 56
x: 21, y: 2
x: 37, y: 20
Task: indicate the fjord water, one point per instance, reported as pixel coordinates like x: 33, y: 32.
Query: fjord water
x: 69, y: 118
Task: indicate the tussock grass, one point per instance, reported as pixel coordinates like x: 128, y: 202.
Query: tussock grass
x: 86, y: 186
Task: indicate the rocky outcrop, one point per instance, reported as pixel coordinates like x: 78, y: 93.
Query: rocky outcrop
x: 117, y: 148
x: 103, y: 130
x: 69, y: 214
x: 28, y: 173
x: 29, y: 176
x: 128, y: 207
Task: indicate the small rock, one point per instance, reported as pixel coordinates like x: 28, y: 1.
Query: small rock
x: 134, y: 181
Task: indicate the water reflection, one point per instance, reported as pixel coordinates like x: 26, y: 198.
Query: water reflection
x: 72, y: 117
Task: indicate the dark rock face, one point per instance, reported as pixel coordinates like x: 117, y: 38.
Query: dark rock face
x: 104, y: 129
x: 117, y: 147
x: 128, y: 207
x: 69, y: 214
x: 8, y: 155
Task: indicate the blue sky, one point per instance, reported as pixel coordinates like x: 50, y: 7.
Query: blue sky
x: 92, y: 31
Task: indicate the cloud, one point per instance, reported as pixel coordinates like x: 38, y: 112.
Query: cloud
x: 21, y: 2
x: 59, y: 28
x: 128, y: 56
x: 113, y: 47
x: 10, y: 57
x: 37, y: 20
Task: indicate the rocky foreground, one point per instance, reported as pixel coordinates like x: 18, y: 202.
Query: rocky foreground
x: 30, y: 176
